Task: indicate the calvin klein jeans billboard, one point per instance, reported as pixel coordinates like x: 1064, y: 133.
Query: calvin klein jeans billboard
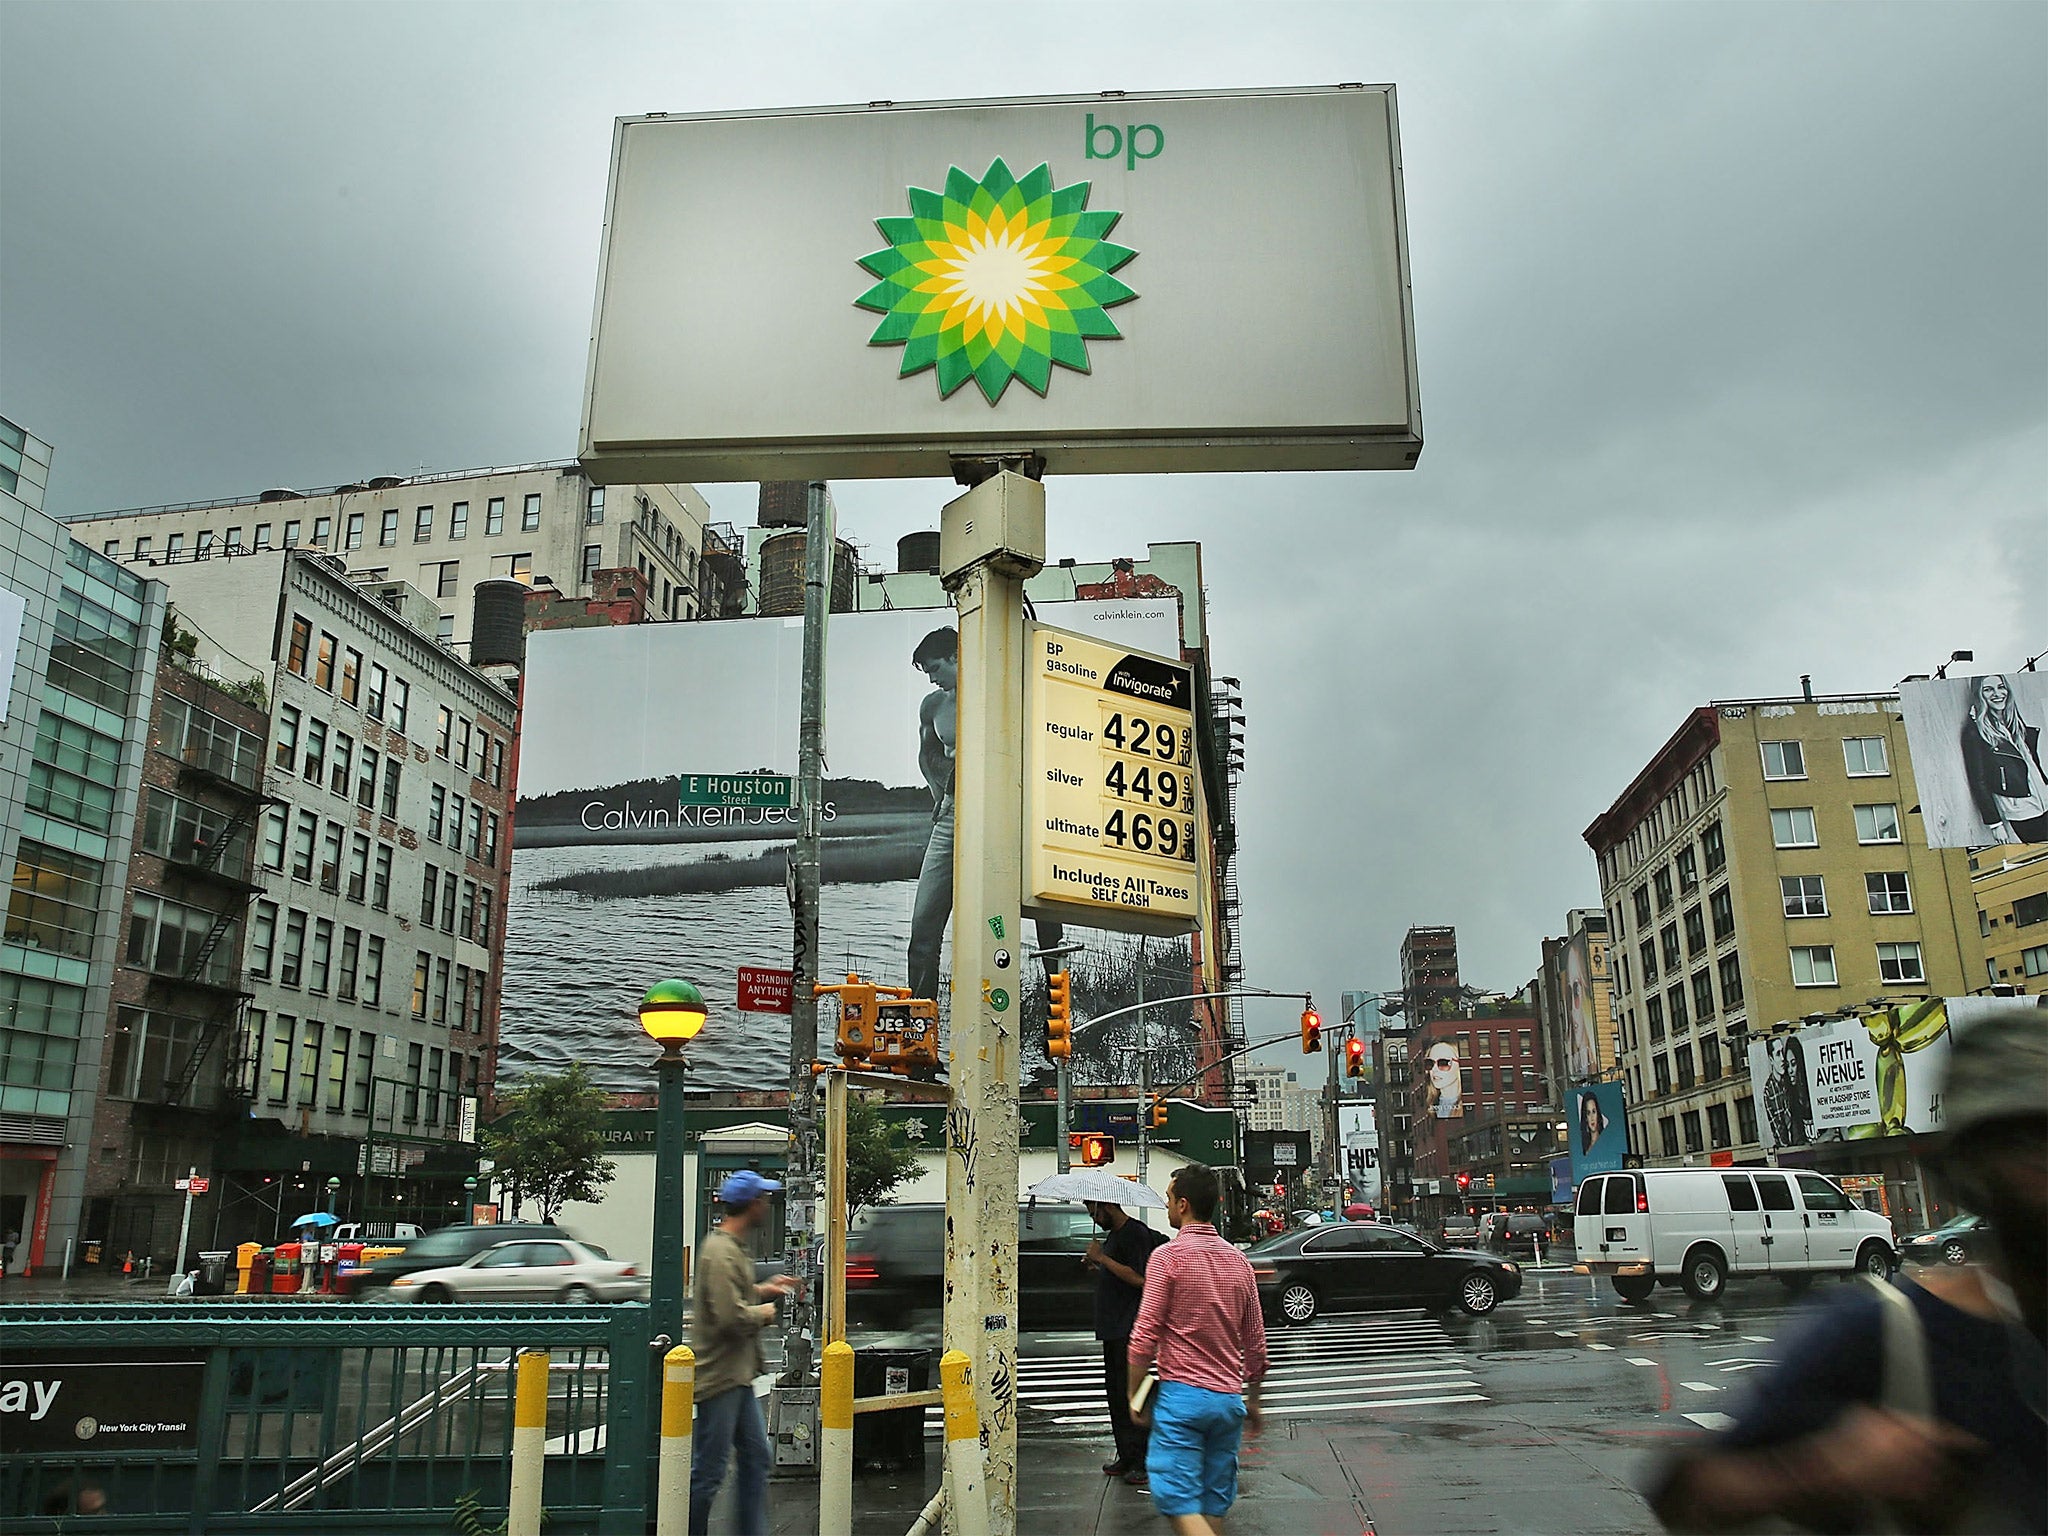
x: 1358, y: 1131
x: 616, y: 885
x: 1598, y: 1130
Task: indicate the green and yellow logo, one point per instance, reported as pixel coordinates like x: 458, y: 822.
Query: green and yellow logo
x: 996, y: 279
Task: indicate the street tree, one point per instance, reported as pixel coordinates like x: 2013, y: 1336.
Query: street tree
x: 548, y: 1145
x: 878, y: 1156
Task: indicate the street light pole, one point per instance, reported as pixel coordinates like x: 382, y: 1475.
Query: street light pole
x: 672, y: 1012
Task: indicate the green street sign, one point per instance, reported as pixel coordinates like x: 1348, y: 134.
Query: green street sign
x: 737, y: 790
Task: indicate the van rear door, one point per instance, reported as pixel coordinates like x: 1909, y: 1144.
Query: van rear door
x: 1784, y: 1222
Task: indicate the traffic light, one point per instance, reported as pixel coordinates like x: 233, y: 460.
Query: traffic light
x: 1059, y: 1022
x: 1159, y: 1114
x: 1464, y: 1182
x: 1093, y: 1148
x: 1354, y: 1057
x: 1311, y: 1031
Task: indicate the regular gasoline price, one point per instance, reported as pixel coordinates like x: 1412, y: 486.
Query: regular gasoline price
x: 1148, y: 765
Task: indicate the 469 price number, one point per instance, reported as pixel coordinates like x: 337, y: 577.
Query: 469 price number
x: 1143, y: 832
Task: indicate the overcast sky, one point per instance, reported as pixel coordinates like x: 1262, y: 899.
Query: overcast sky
x: 1732, y: 326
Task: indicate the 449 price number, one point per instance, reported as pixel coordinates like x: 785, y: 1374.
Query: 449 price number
x: 1167, y: 788
x: 1142, y: 832
x: 1148, y: 738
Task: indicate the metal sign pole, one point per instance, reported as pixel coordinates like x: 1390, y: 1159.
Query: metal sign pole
x: 991, y: 539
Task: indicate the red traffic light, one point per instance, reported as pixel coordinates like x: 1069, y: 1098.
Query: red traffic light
x: 1464, y: 1182
x: 1354, y: 1057
x: 1311, y: 1031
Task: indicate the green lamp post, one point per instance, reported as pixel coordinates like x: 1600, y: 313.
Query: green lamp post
x: 672, y: 1012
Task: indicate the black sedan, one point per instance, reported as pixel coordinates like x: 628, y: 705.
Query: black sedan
x: 1362, y: 1264
x: 1955, y: 1242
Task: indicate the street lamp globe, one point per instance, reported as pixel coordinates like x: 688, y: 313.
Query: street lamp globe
x: 672, y: 1012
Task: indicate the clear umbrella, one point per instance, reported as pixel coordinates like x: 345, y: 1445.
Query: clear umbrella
x: 1095, y: 1184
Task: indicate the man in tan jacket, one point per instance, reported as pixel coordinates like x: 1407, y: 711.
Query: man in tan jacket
x: 728, y: 1312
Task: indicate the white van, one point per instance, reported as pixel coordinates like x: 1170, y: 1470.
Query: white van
x: 1698, y: 1226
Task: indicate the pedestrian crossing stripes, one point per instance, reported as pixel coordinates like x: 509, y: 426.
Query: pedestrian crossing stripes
x: 1334, y: 1365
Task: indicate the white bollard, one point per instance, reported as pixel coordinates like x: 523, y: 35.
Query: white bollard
x: 529, y: 1443
x: 835, y: 1452
x: 678, y: 1423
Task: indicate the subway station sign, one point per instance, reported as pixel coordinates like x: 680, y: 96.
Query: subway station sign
x: 1121, y: 283
x: 1113, y: 819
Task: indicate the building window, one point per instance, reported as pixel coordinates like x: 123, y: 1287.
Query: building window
x: 1662, y: 881
x: 1669, y: 939
x: 1688, y: 871
x: 494, y: 516
x: 520, y: 566
x: 437, y: 811
x: 1877, y: 824
x: 287, y: 751
x: 319, y: 963
x: 1695, y: 931
x: 1712, y: 849
x: 458, y: 520
x: 316, y: 751
x: 1681, y: 1061
x: 1804, y: 895
x: 1899, y: 963
x: 444, y: 726
x: 1865, y: 757
x: 1675, y: 1006
x: 1731, y: 982
x: 373, y: 971
x: 1653, y: 1010
x: 456, y: 806
x: 353, y: 537
x: 373, y: 706
x: 592, y: 553
x: 366, y: 781
x: 387, y: 532
x: 54, y: 904
x: 2029, y: 910
x: 529, y: 516
x: 400, y: 700
x: 445, y: 576
x: 1745, y: 1118
x: 1667, y: 1129
x: 283, y: 1026
x: 390, y: 805
x: 111, y: 549
x: 300, y: 643
x: 174, y: 546
x: 430, y: 889
x: 380, y: 880
x: 291, y: 959
x: 358, y: 867
x: 594, y: 508
x: 1784, y: 760
x: 323, y: 663
x: 1702, y: 995
x: 462, y: 746
x: 1794, y: 828
x: 444, y: 629
x: 330, y: 858
x: 291, y: 533
x: 1647, y: 951
x: 1710, y: 1055
x: 1813, y: 965
x: 263, y: 535
x: 2034, y: 962
x: 1691, y: 1121
x: 1642, y: 902
x: 323, y: 530
x: 1889, y: 892
x: 422, y: 965
x: 1721, y: 906
x: 422, y: 525
x: 351, y: 674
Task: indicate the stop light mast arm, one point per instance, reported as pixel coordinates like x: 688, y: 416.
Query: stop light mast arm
x: 1188, y: 997
x: 1160, y: 1090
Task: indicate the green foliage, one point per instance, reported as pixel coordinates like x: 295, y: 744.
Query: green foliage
x: 469, y: 1518
x: 548, y: 1145
x: 878, y: 1156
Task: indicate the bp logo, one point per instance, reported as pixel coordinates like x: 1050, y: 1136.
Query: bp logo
x: 996, y: 279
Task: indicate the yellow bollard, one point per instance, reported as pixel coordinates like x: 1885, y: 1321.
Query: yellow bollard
x: 966, y: 1502
x: 678, y: 1422
x: 835, y: 1454
x: 529, y: 1443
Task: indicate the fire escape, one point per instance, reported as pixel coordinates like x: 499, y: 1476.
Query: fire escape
x: 724, y: 557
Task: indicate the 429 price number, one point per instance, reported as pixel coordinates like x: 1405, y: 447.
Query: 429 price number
x: 1148, y: 738
x: 1143, y: 832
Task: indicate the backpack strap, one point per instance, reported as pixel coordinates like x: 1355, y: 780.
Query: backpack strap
x: 1906, y: 1385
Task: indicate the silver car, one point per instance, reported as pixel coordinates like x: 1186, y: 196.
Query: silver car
x: 535, y: 1269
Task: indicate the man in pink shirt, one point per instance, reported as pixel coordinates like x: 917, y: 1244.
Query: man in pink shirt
x: 1200, y: 1321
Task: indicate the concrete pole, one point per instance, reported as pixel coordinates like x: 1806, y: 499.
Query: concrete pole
x: 992, y: 538
x: 1063, y: 1075
x: 800, y: 1205
x: 834, y: 1299
x: 185, y: 1224
x: 1144, y: 1072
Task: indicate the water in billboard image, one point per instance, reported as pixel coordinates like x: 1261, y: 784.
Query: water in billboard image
x: 1852, y: 1079
x: 1598, y: 1130
x: 617, y: 883
x: 1444, y: 1097
x: 1978, y: 758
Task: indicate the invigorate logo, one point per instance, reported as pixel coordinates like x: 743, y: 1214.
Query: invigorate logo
x: 995, y: 279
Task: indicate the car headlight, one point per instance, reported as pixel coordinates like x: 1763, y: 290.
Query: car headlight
x: 1513, y: 1269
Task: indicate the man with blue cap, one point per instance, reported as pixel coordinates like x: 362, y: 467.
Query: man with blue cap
x: 728, y: 1312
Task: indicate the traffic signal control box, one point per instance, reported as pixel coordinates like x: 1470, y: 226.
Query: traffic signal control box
x: 886, y: 1029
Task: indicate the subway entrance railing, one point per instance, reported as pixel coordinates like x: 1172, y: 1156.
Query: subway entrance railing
x: 268, y: 1416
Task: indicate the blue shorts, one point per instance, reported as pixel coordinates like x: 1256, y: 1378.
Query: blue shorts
x: 1192, y: 1459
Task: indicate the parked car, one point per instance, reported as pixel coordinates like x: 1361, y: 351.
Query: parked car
x: 528, y: 1269
x: 1954, y: 1242
x: 1357, y: 1264
x: 1697, y: 1226
x: 1512, y: 1232
x: 1460, y: 1231
x: 450, y: 1245
x: 384, y: 1234
x: 896, y: 1257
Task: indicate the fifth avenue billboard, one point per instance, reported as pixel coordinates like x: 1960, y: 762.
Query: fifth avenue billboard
x: 1124, y: 284
x: 1978, y: 757
x: 618, y: 881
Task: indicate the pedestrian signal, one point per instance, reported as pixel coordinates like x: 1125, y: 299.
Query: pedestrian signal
x: 1311, y: 1031
x: 1059, y: 1022
x: 1354, y: 1057
x: 1092, y: 1148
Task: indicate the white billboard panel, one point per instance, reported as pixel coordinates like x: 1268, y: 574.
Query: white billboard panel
x: 1358, y: 1130
x: 1978, y: 758
x: 1130, y: 284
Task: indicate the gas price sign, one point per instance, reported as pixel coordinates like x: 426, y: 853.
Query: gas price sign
x: 1113, y: 811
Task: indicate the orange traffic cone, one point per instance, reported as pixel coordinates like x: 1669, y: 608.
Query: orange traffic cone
x: 128, y: 1262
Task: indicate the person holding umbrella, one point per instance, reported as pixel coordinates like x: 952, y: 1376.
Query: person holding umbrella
x: 1118, y: 1260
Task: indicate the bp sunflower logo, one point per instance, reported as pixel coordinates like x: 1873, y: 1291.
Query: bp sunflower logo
x: 996, y: 279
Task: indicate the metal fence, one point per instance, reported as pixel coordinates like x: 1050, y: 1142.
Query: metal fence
x: 316, y: 1417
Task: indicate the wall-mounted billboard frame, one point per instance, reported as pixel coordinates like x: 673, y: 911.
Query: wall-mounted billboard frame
x: 1119, y: 283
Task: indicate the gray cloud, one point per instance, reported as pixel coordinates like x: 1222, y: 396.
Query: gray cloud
x: 1733, y: 340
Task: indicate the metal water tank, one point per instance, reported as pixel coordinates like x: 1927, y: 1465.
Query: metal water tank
x: 781, y: 576
x: 918, y: 552
x: 497, y: 631
x: 783, y: 503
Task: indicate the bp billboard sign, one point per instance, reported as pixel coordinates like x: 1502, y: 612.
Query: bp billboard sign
x: 1125, y: 284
